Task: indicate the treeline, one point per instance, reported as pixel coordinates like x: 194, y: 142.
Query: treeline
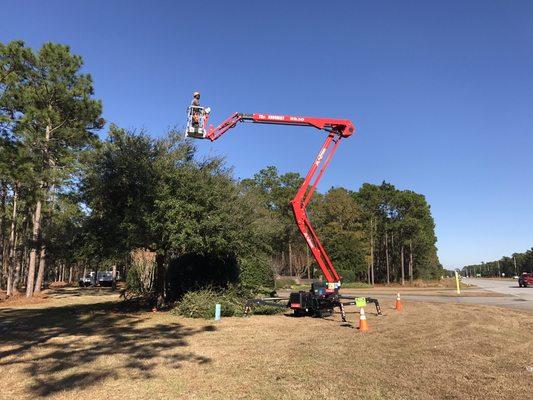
x: 515, y: 264
x: 72, y: 203
x: 377, y: 234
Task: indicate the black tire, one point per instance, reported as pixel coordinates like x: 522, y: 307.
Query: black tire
x: 299, y: 313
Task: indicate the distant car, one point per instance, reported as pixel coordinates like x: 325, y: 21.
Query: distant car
x: 87, y: 280
x: 105, y: 278
x: 525, y: 279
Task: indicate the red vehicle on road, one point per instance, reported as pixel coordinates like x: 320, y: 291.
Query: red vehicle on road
x: 525, y: 279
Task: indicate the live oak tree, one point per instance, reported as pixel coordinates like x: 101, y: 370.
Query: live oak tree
x: 153, y: 194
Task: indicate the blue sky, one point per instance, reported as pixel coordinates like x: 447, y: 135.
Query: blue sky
x: 441, y: 93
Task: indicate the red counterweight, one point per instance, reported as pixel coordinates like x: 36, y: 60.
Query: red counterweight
x: 336, y: 129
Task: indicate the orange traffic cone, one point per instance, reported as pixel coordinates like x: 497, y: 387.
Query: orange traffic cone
x: 363, y: 324
x: 399, y: 305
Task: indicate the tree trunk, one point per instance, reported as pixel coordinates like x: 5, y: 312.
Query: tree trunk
x: 371, y: 252
x: 3, y: 241
x: 402, y: 266
x: 387, y: 256
x: 19, y: 260
x: 411, y: 262
x: 36, y: 232
x: 12, y: 244
x: 159, y: 281
x: 35, y: 236
x: 308, y: 262
x: 70, y: 274
x: 24, y: 262
x: 291, y: 273
x: 40, y: 273
x: 114, y: 275
x: 392, y: 249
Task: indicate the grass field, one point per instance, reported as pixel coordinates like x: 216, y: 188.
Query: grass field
x: 93, y: 349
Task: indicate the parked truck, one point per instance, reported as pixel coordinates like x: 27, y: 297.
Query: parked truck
x: 525, y: 279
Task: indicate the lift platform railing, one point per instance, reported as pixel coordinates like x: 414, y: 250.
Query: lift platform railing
x: 197, y: 118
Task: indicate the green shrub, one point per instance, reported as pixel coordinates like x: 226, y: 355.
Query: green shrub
x: 267, y: 310
x: 201, y: 303
x: 255, y: 271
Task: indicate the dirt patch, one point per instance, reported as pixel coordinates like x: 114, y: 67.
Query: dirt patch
x: 60, y: 284
x: 22, y: 300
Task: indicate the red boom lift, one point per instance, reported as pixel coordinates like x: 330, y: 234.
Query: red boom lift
x: 323, y: 297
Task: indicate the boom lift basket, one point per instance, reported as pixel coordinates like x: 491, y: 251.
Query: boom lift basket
x: 197, y: 121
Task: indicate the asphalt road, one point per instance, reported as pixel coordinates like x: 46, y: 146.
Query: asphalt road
x: 505, y: 286
x: 510, y: 295
x: 516, y: 297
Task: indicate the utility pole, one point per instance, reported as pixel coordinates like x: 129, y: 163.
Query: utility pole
x: 515, y: 270
x: 499, y: 270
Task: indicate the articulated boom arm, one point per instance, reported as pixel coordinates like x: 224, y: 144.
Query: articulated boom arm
x: 342, y: 127
x: 337, y: 129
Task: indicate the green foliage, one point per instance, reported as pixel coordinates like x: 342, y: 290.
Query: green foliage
x: 339, y: 223
x: 396, y: 219
x: 119, y: 186
x: 48, y: 120
x: 201, y: 304
x: 266, y: 309
x: 255, y: 271
x: 196, y: 271
x: 515, y: 264
x: 152, y: 193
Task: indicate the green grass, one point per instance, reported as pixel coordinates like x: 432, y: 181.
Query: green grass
x: 355, y: 285
x: 285, y: 283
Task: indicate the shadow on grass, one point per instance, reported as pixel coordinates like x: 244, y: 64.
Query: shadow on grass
x: 72, y: 291
x: 67, y: 348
